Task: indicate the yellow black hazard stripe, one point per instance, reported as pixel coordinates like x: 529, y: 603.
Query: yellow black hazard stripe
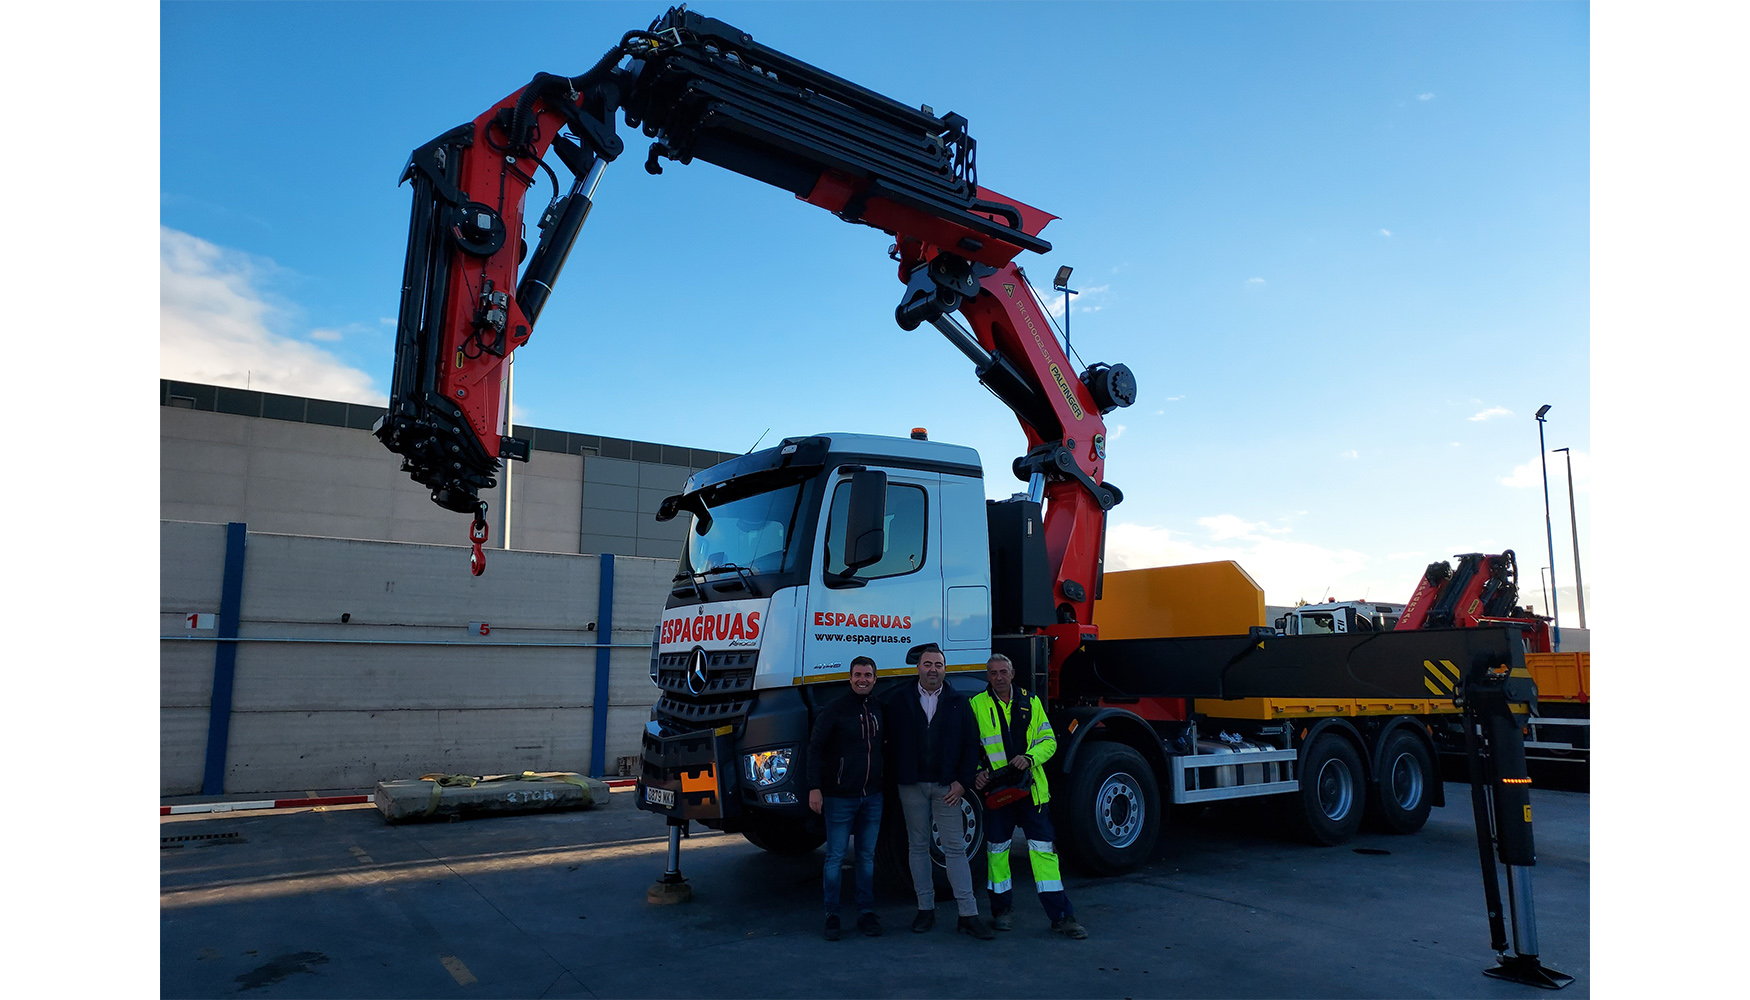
x: 1439, y: 677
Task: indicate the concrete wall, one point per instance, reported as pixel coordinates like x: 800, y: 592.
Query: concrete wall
x: 311, y: 467
x: 332, y: 715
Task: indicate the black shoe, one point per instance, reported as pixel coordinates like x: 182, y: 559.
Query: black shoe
x: 1004, y: 921
x: 869, y: 924
x: 1069, y: 928
x: 977, y: 928
x: 832, y: 928
x: 924, y: 921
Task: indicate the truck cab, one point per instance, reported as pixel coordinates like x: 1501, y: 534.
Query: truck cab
x: 1340, y: 618
x: 800, y: 558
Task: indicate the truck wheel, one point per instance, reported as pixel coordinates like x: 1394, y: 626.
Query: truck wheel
x: 1401, y: 800
x: 1327, y: 809
x: 789, y: 838
x: 1113, y: 811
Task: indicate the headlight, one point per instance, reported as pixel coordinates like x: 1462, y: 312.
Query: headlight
x: 768, y: 767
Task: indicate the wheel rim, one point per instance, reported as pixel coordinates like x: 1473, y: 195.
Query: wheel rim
x: 1118, y: 810
x: 969, y: 820
x: 1336, y: 788
x: 1406, y: 781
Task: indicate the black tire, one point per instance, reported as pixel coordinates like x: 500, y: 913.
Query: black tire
x: 786, y: 837
x: 893, y: 853
x: 1112, y: 814
x: 1327, y: 809
x: 1400, y: 801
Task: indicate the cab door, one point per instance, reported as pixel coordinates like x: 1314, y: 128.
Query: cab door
x: 883, y: 609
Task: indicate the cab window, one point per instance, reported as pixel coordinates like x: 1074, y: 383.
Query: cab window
x: 904, y: 546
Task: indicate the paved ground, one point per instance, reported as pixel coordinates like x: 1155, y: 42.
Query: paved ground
x: 335, y: 903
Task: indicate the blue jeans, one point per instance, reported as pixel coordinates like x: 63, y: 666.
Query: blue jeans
x: 845, y: 816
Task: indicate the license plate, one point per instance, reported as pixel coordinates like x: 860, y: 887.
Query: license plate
x: 663, y: 797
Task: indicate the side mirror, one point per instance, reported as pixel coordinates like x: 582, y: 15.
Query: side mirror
x: 866, y: 519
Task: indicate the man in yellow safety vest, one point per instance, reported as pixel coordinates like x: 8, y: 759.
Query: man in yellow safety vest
x: 1014, y: 732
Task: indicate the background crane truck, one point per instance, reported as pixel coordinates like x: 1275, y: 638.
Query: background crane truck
x: 1482, y: 591
x: 802, y: 555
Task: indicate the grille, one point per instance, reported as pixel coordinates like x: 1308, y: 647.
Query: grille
x: 727, y: 693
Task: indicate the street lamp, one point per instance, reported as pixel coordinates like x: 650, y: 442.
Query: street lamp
x: 1061, y: 284
x: 1549, y: 534
x: 1574, y: 526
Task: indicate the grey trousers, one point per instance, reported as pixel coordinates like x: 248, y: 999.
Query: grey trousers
x: 923, y: 806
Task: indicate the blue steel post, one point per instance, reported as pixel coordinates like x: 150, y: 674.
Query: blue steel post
x: 604, y: 631
x: 225, y: 659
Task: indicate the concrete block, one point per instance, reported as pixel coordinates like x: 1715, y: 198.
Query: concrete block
x: 213, y: 458
x: 182, y: 750
x: 224, y: 489
x: 280, y: 751
x: 448, y: 796
x: 185, y: 673
x: 311, y: 677
x: 191, y: 566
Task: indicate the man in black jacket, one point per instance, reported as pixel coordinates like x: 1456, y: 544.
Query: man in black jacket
x: 844, y: 786
x: 932, y: 744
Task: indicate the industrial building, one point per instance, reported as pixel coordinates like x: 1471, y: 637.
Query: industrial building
x: 319, y: 626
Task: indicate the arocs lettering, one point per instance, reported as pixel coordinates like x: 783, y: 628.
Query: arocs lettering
x: 711, y: 628
x: 834, y: 619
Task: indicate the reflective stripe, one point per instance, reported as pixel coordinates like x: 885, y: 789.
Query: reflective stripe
x: 1006, y: 884
x: 1002, y: 848
x: 1042, y: 846
x: 1049, y: 885
x: 1047, y: 738
x: 992, y: 741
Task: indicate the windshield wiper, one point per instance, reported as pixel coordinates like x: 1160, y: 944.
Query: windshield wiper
x: 692, y: 580
x: 746, y: 577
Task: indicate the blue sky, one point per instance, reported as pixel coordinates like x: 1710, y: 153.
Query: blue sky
x: 1345, y: 249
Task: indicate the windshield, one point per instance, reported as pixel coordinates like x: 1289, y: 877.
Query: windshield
x: 757, y: 532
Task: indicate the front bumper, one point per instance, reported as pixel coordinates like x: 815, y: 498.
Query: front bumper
x: 689, y: 773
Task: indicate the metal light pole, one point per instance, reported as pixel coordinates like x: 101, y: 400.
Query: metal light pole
x: 1061, y: 284
x: 1549, y: 533
x: 1574, y: 526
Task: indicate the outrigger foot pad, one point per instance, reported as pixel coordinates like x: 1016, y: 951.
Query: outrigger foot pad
x: 1526, y: 970
x: 671, y: 889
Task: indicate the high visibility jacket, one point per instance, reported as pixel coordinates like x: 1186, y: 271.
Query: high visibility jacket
x: 1032, y: 730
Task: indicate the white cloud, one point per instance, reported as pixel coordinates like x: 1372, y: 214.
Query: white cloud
x: 1115, y: 432
x: 1254, y: 281
x: 1225, y: 526
x: 1385, y: 232
x: 1455, y: 444
x: 1492, y: 412
x: 214, y: 325
x: 1425, y: 97
x: 1351, y: 453
x: 1174, y: 399
x: 1530, y: 474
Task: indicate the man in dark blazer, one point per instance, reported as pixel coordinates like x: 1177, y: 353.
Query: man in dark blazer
x: 932, y: 744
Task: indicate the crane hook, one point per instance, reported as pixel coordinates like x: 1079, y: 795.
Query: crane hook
x: 477, y: 534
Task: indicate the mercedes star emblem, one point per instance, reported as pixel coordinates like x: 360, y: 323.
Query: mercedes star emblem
x: 696, y: 672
